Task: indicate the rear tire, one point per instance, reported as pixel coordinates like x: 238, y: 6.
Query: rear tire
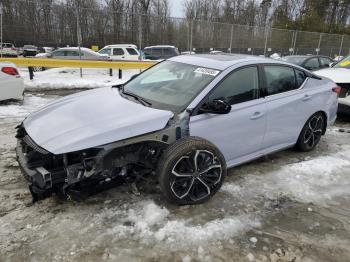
x: 311, y: 133
x: 191, y: 171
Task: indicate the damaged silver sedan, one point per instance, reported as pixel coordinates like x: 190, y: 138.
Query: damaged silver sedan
x: 182, y: 122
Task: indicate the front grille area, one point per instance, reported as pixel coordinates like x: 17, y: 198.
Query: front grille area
x: 35, y: 155
x: 29, y: 142
x: 345, y: 90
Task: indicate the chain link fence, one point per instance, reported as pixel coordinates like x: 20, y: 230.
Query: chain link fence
x: 104, y: 27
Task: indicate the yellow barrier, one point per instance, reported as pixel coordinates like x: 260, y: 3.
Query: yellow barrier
x: 48, y: 62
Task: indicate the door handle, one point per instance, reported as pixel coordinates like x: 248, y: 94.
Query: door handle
x: 306, y: 97
x: 256, y: 115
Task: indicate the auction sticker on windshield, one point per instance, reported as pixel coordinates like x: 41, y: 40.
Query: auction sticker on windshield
x: 206, y: 71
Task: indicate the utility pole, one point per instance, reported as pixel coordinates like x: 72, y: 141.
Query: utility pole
x: 341, y: 46
x: 79, y: 37
x: 1, y: 41
x: 319, y: 44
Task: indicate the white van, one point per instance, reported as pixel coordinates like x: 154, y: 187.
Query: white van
x: 121, y: 52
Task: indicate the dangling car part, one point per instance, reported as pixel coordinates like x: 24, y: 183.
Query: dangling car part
x: 182, y: 123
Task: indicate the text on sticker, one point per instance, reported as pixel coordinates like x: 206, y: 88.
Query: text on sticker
x: 206, y: 71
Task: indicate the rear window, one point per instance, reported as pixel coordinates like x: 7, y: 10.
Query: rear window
x: 132, y: 51
x: 297, y: 60
x: 7, y: 45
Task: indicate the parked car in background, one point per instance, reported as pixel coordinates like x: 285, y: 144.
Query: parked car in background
x: 309, y: 62
x: 160, y: 52
x: 8, y: 50
x: 30, y: 50
x: 73, y: 53
x: 340, y: 74
x: 216, y: 52
x: 183, y: 122
x: 121, y: 52
x: 11, y: 83
x: 338, y: 58
x: 20, y: 51
x: 275, y: 56
x: 45, y: 49
x: 188, y: 53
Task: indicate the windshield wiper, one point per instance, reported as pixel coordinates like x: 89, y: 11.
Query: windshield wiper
x: 136, y: 97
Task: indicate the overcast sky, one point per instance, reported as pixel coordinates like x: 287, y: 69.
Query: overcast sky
x: 176, y: 8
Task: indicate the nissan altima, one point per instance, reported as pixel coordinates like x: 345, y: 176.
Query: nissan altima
x: 182, y: 122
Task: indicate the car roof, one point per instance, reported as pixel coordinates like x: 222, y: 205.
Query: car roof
x: 219, y: 61
x: 84, y: 49
x: 160, y: 46
x: 121, y: 45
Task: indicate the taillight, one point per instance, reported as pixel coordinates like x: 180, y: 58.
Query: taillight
x: 13, y: 49
x: 10, y: 71
x: 337, y: 89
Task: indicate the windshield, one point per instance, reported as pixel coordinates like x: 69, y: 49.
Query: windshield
x: 345, y: 63
x: 297, y: 60
x: 171, y: 85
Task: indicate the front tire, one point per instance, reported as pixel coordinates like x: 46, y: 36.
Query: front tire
x: 191, y: 171
x: 311, y: 133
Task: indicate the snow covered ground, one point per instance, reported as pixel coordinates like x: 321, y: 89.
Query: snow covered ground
x: 288, y: 206
x: 69, y: 78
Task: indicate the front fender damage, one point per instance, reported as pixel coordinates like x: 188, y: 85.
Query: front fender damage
x: 79, y: 174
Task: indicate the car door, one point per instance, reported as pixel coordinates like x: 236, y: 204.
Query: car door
x: 288, y: 105
x: 118, y: 53
x: 132, y: 53
x: 238, y: 134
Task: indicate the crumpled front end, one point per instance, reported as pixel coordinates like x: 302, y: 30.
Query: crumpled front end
x: 48, y: 173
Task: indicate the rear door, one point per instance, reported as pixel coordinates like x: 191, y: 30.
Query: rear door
x: 238, y: 134
x: 118, y: 53
x: 288, y: 105
x: 132, y: 54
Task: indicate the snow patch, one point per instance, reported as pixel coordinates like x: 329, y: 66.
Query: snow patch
x: 313, y: 180
x: 150, y: 224
x: 22, y: 109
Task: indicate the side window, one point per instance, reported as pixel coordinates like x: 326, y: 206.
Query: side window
x: 157, y: 51
x: 300, y: 77
x: 312, y: 64
x: 118, y: 51
x: 279, y: 79
x: 240, y: 86
x: 58, y: 53
x: 132, y: 51
x: 106, y: 51
x: 72, y: 53
x: 325, y: 62
x: 167, y: 51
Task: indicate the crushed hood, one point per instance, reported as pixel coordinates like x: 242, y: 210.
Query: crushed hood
x: 337, y: 75
x: 91, y: 118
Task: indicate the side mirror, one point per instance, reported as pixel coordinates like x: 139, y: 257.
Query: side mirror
x: 217, y: 106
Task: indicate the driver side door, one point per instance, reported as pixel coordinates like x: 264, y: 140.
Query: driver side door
x: 238, y: 134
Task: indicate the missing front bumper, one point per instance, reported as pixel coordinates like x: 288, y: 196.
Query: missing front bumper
x: 40, y: 180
